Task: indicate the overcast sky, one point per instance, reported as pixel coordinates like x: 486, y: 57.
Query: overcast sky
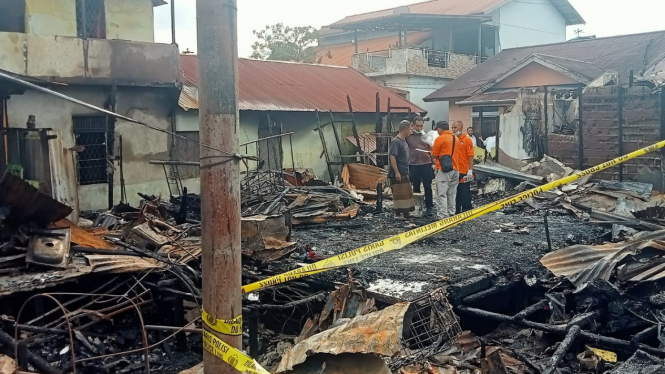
x: 603, y: 17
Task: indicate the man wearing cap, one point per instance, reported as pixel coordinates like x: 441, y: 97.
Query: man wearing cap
x: 464, y: 153
x: 447, y: 174
x: 420, y: 162
x: 399, y: 173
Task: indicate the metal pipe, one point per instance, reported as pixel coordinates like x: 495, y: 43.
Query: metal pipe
x: 35, y: 87
x: 266, y: 138
x: 173, y: 22
x: 547, y: 231
x: 580, y: 129
x: 620, y: 98
x: 293, y: 163
x: 217, y: 31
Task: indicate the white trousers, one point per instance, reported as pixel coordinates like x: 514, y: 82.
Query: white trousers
x: 446, y: 193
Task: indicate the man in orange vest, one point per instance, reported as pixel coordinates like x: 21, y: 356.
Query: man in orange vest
x: 447, y: 174
x: 464, y: 154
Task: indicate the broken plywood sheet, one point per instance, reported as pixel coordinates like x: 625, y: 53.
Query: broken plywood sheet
x: 363, y: 177
x: 377, y: 333
x: 7, y: 365
x: 346, y: 214
x: 265, y: 238
x: 82, y: 237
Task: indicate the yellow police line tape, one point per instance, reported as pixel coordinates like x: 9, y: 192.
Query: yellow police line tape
x: 223, y: 326
x: 245, y: 364
x: 401, y: 240
x: 230, y: 355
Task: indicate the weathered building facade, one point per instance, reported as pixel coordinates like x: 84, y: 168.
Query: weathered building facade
x: 419, y: 48
x: 100, y: 52
x: 284, y: 97
x: 584, y: 102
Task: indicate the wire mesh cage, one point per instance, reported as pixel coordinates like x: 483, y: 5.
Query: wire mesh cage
x: 430, y: 327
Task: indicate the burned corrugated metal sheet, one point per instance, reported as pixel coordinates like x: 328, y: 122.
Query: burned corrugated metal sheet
x: 375, y: 333
x: 584, y: 263
x: 27, y: 203
x: 288, y: 86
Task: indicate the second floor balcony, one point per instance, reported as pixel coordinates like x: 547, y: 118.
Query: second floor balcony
x: 414, y: 61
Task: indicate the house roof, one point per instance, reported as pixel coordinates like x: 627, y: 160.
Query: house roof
x: 454, y: 8
x: 288, y: 86
x: 638, y: 52
x: 342, y: 54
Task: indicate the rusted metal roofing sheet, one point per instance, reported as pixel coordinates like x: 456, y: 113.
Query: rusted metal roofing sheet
x: 26, y: 203
x: 342, y: 54
x: 622, y: 53
x: 288, y: 86
x: 585, y: 263
x: 456, y: 8
x: 377, y: 333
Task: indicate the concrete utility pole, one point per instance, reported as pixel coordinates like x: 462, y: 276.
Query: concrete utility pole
x: 220, y: 178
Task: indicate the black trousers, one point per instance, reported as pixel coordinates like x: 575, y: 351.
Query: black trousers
x: 422, y: 174
x: 463, y: 200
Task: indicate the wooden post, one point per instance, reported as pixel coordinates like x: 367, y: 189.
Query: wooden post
x: 220, y: 181
x: 325, y: 148
x: 337, y: 138
x: 581, y: 129
x: 620, y: 97
x: 355, y: 130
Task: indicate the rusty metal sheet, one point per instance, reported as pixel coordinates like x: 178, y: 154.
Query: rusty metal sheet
x: 28, y: 204
x: 361, y: 176
x: 376, y: 333
x: 288, y: 86
x: 584, y: 263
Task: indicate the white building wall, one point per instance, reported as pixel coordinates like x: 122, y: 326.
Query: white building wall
x: 140, y: 144
x: 418, y: 88
x: 527, y: 23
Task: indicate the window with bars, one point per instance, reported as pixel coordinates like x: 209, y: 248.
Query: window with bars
x: 91, y: 19
x: 92, y: 134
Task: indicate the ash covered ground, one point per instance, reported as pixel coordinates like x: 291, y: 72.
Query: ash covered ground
x: 470, y: 249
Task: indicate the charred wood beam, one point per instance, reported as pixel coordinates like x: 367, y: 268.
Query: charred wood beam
x: 38, y: 362
x: 572, y: 335
x: 645, y: 335
x: 599, y: 340
x: 584, y: 320
x: 489, y: 292
x: 542, y: 304
x: 310, y: 299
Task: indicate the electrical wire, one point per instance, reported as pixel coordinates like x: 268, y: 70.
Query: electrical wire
x: 33, y: 86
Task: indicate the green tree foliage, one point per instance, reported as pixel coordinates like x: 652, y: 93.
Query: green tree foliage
x: 281, y: 43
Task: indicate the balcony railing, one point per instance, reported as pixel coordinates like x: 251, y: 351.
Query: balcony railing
x: 414, y: 61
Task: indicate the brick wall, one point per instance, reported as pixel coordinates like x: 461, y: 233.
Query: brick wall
x: 642, y: 112
x: 564, y: 148
x: 600, y: 115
